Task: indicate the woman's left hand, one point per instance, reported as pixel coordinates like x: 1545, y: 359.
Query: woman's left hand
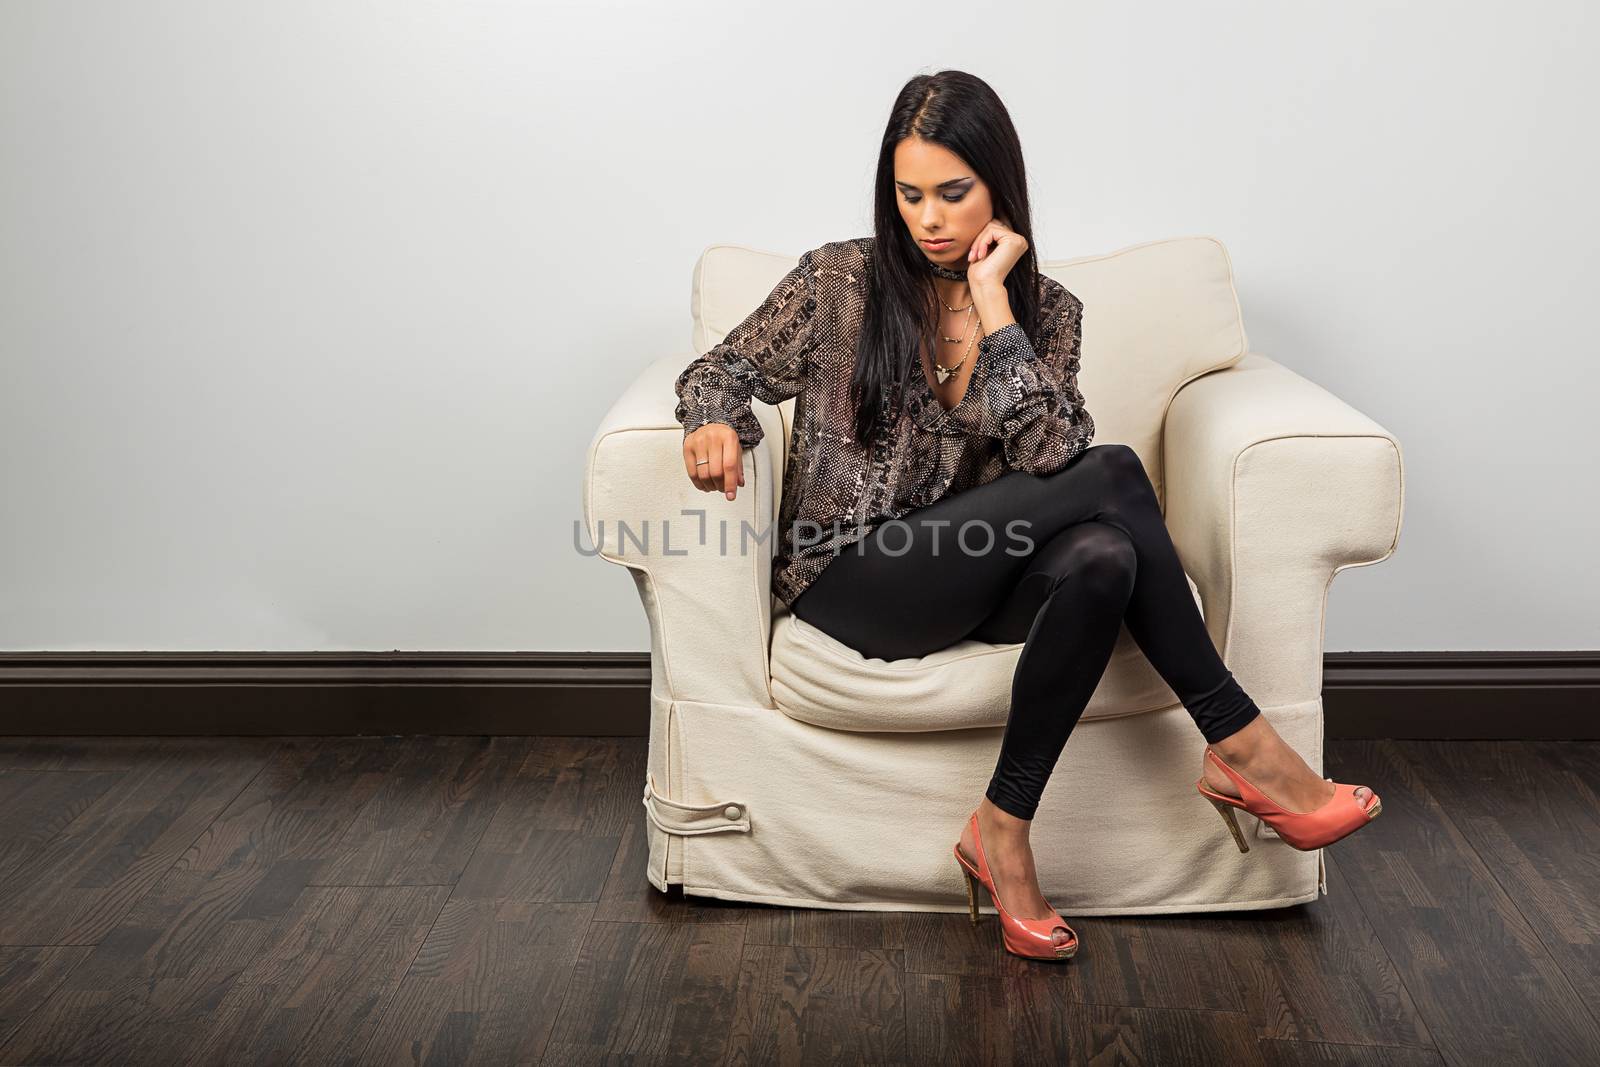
x: 997, y: 249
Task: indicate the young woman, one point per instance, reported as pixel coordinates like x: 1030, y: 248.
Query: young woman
x: 941, y: 485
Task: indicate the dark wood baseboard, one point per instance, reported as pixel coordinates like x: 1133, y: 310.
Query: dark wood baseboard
x: 1457, y: 696
x: 1427, y: 695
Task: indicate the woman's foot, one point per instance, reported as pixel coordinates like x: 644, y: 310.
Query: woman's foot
x: 1010, y: 857
x: 1265, y: 759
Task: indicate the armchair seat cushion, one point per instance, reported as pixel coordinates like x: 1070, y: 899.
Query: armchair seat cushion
x: 822, y: 681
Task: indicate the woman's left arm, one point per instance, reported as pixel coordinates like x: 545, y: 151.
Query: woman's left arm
x: 1031, y: 400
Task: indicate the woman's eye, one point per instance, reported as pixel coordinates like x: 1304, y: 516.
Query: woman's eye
x: 948, y: 199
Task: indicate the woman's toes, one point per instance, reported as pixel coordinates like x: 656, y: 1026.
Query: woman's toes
x: 1364, y: 795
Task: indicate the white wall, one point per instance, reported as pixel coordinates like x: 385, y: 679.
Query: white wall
x: 309, y: 309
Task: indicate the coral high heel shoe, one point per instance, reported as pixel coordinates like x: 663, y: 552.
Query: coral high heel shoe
x: 1341, y: 816
x: 1029, y: 938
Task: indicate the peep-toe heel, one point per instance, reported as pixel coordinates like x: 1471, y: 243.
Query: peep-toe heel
x: 1343, y: 814
x: 1032, y: 939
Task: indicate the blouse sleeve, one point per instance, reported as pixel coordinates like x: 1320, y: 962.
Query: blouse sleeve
x: 766, y: 357
x: 1031, y: 399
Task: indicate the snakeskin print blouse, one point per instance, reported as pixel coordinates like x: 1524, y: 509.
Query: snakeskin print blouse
x: 1022, y: 409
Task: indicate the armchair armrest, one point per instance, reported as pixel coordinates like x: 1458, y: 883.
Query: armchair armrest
x: 702, y: 563
x: 1274, y: 485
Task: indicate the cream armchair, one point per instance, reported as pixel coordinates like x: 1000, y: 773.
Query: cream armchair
x: 786, y: 768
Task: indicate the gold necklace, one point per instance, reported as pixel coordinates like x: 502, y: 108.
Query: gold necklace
x: 940, y: 371
x: 953, y: 340
x: 947, y: 307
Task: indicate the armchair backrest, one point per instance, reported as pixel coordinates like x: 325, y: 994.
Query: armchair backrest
x: 1155, y: 316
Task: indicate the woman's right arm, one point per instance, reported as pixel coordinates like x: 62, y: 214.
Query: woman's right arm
x: 765, y: 357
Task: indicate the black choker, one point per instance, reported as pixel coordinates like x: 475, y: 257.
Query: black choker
x: 942, y: 271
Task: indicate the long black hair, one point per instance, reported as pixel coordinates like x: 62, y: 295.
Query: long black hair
x: 963, y: 114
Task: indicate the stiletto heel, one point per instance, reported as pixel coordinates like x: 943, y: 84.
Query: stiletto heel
x: 972, y: 895
x: 1226, y: 811
x: 1342, y: 815
x: 1032, y: 939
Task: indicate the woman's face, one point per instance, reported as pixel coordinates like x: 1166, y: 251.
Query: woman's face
x: 940, y: 197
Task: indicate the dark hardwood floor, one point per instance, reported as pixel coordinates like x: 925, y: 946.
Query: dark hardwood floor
x: 482, y: 900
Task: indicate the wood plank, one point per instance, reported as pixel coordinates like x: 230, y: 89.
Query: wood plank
x: 150, y: 983
x: 78, y: 886
x: 1298, y: 1053
x: 1318, y: 973
x: 316, y: 993
x: 1031, y: 1018
x: 591, y: 785
x: 1155, y: 961
x: 1476, y: 970
x: 519, y: 862
x: 485, y: 986
x: 771, y: 924
x: 87, y: 753
x: 557, y: 830
x: 819, y: 1005
x: 426, y: 818
x: 649, y: 993
x: 1532, y: 812
x: 29, y: 974
x: 36, y: 806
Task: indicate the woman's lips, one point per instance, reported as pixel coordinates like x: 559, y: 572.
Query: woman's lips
x: 934, y: 246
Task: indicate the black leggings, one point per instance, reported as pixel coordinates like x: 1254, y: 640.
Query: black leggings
x: 964, y: 567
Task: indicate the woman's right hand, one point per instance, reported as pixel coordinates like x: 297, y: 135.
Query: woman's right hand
x: 717, y: 444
